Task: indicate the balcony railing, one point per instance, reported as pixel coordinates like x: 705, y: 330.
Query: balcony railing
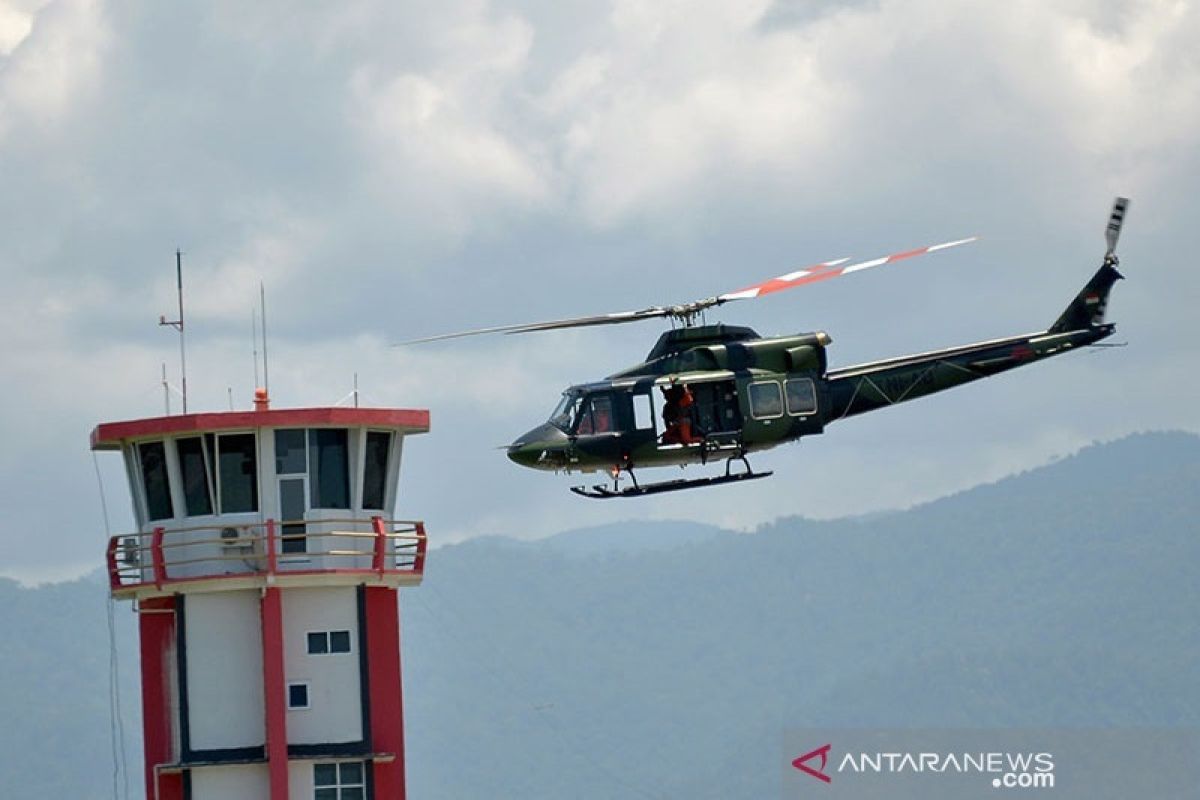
x: 392, y: 550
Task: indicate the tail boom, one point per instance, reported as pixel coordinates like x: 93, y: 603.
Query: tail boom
x: 866, y: 387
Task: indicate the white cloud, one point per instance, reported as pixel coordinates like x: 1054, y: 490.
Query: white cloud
x: 15, y: 25
x: 61, y: 50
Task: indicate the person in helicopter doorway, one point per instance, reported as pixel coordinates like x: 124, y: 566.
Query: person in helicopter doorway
x: 678, y: 411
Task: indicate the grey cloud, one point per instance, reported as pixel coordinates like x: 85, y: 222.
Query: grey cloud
x: 394, y: 170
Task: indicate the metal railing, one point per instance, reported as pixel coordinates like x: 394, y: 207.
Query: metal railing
x: 165, y: 555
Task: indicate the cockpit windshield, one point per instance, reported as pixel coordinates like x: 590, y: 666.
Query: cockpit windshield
x: 564, y: 413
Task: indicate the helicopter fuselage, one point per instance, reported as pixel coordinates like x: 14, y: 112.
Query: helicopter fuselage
x: 721, y: 392
x: 750, y: 393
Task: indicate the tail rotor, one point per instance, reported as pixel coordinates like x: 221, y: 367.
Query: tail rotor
x: 1088, y: 308
x: 1113, y: 232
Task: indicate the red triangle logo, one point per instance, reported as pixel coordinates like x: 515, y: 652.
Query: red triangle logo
x: 819, y: 772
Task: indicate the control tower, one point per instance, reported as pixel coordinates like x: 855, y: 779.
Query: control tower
x: 265, y: 572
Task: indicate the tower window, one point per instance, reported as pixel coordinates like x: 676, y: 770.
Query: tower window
x: 339, y: 641
x: 345, y: 780
x: 153, y: 459
x: 375, y: 471
x: 291, y: 454
x: 237, y: 469
x: 328, y: 464
x: 326, y: 642
x: 193, y: 465
x: 297, y: 695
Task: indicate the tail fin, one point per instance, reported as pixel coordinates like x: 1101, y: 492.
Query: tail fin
x: 1088, y: 307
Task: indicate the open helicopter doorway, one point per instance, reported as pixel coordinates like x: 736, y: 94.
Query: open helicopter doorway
x: 711, y: 412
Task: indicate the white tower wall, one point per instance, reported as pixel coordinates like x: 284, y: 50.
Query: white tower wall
x: 242, y: 782
x: 334, y: 685
x: 223, y: 636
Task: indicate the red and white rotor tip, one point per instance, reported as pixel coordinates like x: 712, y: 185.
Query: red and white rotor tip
x: 832, y: 269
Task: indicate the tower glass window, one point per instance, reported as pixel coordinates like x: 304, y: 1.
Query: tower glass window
x: 152, y: 457
x: 291, y: 458
x: 325, y: 642
x: 193, y: 466
x: 328, y: 460
x: 237, y: 470
x: 297, y: 695
x: 375, y: 470
x: 345, y: 780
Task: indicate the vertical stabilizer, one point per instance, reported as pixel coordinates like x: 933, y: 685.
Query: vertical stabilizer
x: 1089, y: 306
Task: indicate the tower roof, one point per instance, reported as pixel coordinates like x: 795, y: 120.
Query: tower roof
x: 109, y: 435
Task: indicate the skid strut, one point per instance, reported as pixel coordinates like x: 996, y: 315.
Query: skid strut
x: 601, y: 492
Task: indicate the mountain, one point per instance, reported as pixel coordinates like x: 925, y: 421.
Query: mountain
x: 664, y: 660
x: 54, y: 697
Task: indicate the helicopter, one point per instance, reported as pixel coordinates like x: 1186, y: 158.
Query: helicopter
x: 712, y: 392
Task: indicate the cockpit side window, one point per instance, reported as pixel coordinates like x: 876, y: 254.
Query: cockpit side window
x: 595, y: 416
x: 565, y: 412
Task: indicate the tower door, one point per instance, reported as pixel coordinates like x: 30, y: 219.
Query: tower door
x: 293, y: 506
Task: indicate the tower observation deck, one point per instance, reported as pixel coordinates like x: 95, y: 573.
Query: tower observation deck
x: 265, y: 572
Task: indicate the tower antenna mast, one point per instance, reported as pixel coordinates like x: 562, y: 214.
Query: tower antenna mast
x: 262, y: 301
x: 254, y: 341
x: 177, y: 324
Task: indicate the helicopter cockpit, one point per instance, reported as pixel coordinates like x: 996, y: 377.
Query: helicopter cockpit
x: 584, y: 413
x: 563, y: 416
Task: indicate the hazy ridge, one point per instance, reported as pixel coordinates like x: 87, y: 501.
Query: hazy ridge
x: 660, y: 659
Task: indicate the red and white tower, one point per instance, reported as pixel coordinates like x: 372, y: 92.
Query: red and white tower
x: 265, y: 573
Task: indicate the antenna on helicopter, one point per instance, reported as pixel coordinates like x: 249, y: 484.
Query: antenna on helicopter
x: 177, y: 324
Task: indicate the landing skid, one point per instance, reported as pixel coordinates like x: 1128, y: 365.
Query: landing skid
x: 601, y: 492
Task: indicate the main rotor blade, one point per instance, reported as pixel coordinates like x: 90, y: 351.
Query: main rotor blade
x: 573, y: 322
x: 1115, y: 220
x: 689, y: 311
x: 830, y: 269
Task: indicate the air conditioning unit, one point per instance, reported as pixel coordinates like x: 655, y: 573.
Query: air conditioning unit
x: 130, y: 551
x: 236, y: 540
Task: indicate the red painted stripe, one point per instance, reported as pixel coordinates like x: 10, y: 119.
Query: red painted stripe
x: 379, y: 551
x: 156, y: 628
x: 275, y: 692
x: 774, y: 285
x: 819, y: 273
x: 110, y: 558
x: 814, y: 278
x: 108, y: 435
x: 383, y: 675
x: 907, y: 254
x: 156, y: 557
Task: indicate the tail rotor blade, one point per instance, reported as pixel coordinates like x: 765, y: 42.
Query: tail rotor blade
x: 1115, y: 220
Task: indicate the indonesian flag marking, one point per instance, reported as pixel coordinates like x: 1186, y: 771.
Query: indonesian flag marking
x: 1022, y: 352
x: 831, y: 269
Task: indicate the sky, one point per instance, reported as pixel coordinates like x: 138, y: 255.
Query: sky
x: 391, y: 170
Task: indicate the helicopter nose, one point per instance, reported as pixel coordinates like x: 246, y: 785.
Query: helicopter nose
x: 541, y: 448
